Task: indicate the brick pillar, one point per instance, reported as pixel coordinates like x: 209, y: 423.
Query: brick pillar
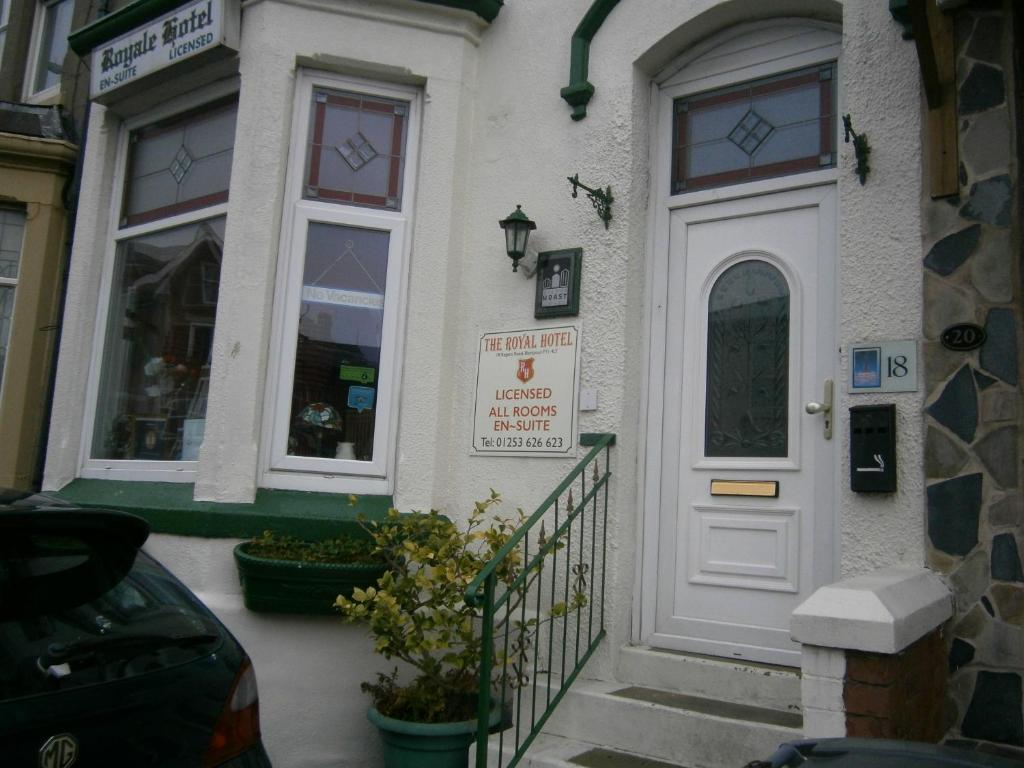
x: 874, y: 658
x: 900, y: 695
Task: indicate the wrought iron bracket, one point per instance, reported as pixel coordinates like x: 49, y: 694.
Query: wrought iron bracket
x: 601, y: 199
x: 860, y: 148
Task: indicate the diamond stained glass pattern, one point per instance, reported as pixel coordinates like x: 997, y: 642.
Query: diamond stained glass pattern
x: 357, y: 151
x: 748, y: 363
x: 769, y: 127
x: 750, y: 132
x: 364, y: 138
x: 179, y: 165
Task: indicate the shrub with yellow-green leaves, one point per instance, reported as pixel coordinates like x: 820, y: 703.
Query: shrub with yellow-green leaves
x: 418, y: 614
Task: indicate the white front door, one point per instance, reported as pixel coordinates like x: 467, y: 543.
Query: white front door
x: 748, y: 341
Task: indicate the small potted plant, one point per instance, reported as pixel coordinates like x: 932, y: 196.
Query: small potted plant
x: 417, y: 614
x: 284, y: 574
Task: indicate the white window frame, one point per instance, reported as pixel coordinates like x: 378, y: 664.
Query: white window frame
x: 5, y: 20
x: 183, y: 471
x: 280, y: 470
x: 12, y: 282
x: 34, y: 50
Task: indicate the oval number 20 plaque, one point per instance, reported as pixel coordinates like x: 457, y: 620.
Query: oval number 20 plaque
x: 963, y: 337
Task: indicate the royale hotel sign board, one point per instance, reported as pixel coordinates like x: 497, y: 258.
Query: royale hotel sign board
x: 526, y: 388
x: 178, y: 35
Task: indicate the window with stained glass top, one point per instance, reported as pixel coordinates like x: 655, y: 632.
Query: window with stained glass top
x: 179, y: 165
x: 774, y: 126
x: 356, y: 149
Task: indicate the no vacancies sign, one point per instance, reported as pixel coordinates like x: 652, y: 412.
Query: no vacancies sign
x: 526, y: 393
x: 176, y: 36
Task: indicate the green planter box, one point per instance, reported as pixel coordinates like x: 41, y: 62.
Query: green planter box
x: 290, y: 586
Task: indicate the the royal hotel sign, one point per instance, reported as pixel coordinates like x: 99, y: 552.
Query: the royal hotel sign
x: 177, y: 36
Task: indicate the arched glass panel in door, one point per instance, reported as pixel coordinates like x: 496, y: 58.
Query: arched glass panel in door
x: 746, y: 411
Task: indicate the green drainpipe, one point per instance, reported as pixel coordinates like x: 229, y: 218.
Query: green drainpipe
x: 579, y: 90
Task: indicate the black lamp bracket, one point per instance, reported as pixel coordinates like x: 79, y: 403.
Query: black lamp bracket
x: 601, y: 199
x: 860, y: 148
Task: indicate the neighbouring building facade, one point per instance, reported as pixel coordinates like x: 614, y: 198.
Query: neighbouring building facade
x: 777, y: 254
x: 41, y: 109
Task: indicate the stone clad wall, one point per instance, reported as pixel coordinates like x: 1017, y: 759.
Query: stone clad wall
x: 972, y: 452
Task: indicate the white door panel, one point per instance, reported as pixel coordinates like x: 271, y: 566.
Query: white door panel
x: 748, y: 340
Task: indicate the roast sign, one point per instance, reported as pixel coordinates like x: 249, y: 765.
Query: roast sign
x: 963, y: 337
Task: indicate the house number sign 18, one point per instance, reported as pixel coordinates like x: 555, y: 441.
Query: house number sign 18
x: 963, y: 337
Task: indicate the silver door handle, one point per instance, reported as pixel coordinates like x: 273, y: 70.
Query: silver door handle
x: 824, y: 407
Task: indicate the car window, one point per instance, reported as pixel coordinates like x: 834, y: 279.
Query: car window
x: 146, y: 622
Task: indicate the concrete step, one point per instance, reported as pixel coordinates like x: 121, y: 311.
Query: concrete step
x: 549, y: 751
x: 657, y: 725
x: 760, y: 685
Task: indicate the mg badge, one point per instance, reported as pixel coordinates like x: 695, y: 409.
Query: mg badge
x: 59, y: 751
x: 525, y: 371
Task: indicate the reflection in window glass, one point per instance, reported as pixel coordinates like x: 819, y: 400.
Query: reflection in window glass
x: 12, y: 233
x: 769, y: 127
x: 5, y: 13
x: 748, y: 363
x: 156, y: 364
x: 53, y: 44
x: 179, y: 165
x: 337, y: 356
x: 356, y: 149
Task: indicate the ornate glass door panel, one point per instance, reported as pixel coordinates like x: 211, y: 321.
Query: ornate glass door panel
x: 748, y: 362
x: 745, y: 520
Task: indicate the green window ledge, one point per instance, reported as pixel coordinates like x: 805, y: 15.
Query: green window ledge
x: 170, y: 508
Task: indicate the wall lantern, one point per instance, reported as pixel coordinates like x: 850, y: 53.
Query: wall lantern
x: 517, y: 228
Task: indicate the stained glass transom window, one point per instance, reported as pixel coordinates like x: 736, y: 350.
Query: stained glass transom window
x: 179, y: 165
x: 748, y: 363
x: 770, y: 127
x: 356, y: 152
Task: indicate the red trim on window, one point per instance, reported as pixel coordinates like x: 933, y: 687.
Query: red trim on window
x: 378, y: 106
x: 741, y: 94
x: 751, y: 173
x: 173, y: 210
x: 679, y: 164
x: 351, y: 197
x: 377, y: 200
x: 782, y: 85
x: 825, y: 121
x: 342, y: 101
x: 317, y: 147
x: 396, y: 156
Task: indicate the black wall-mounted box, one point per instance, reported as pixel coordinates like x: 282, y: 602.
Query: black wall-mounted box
x: 873, y: 448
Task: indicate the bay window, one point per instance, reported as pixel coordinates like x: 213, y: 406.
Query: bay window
x: 162, y: 281
x: 331, y: 399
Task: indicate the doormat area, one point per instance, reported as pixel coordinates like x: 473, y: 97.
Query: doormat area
x: 713, y: 707
x: 608, y: 758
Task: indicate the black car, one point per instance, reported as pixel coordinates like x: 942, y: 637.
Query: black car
x: 106, y: 659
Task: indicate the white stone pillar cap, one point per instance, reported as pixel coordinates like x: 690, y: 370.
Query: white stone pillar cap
x: 882, y: 612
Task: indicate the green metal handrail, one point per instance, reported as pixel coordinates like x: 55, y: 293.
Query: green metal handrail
x: 518, y: 606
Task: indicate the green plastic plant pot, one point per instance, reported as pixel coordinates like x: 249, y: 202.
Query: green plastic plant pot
x: 290, y: 586
x: 426, y: 745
